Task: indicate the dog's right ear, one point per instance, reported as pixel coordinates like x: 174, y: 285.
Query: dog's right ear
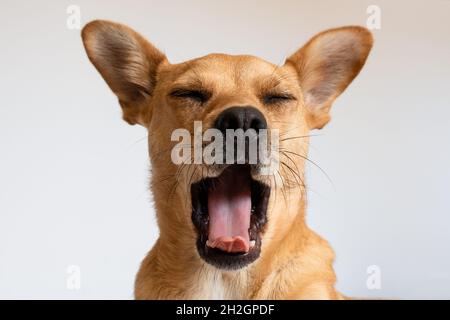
x: 127, y: 62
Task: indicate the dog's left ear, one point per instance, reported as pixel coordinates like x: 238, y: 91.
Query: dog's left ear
x: 128, y: 63
x: 326, y: 65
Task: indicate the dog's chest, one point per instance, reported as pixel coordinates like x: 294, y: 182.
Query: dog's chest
x: 218, y: 291
x: 216, y: 288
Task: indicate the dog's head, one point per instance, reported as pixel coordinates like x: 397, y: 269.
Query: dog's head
x: 230, y: 210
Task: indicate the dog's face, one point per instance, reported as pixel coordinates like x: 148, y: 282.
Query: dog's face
x: 227, y: 210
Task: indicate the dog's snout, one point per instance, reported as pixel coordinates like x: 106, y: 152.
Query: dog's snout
x: 241, y: 118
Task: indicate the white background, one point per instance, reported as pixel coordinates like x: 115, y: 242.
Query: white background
x: 74, y: 176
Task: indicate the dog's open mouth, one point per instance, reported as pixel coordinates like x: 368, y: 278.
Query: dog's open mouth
x: 229, y: 213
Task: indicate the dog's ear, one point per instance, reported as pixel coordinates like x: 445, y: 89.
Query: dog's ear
x: 326, y: 65
x: 127, y: 62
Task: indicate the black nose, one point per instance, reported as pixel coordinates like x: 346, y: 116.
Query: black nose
x: 241, y: 118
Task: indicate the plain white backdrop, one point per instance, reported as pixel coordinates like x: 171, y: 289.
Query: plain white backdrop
x: 74, y: 176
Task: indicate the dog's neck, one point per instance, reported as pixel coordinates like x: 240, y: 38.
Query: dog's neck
x: 175, y: 254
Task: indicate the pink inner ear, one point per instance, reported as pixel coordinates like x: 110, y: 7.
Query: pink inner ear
x: 126, y: 61
x: 328, y: 63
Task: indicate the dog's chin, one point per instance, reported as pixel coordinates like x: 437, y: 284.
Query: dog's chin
x: 229, y: 212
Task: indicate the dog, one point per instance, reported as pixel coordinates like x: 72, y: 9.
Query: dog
x: 227, y: 231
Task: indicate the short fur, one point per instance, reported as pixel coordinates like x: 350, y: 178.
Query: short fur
x: 295, y: 262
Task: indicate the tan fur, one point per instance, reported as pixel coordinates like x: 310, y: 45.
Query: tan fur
x: 295, y: 263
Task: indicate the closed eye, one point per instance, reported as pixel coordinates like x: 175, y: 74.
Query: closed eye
x: 198, y: 96
x: 276, y: 98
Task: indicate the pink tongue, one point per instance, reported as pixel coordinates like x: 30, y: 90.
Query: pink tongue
x: 229, y: 206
